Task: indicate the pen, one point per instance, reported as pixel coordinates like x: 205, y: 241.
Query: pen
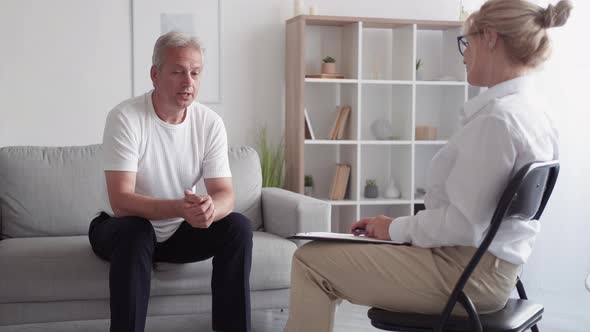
x: 359, y: 231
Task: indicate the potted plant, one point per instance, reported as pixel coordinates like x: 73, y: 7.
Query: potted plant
x: 329, y: 65
x: 371, y: 189
x: 419, y: 64
x: 272, y: 159
x: 308, y: 185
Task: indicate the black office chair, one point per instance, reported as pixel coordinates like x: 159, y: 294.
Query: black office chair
x: 524, y: 198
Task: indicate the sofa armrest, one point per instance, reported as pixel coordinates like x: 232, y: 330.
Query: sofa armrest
x: 285, y: 213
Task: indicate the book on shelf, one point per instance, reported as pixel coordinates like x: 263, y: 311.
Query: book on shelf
x: 308, y: 129
x: 343, y: 183
x: 340, y: 182
x: 334, y: 183
x: 343, y: 121
x: 339, y: 125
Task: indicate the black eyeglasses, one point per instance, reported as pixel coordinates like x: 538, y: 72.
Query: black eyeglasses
x: 462, y: 42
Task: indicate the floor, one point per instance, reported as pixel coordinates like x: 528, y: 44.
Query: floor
x: 350, y: 318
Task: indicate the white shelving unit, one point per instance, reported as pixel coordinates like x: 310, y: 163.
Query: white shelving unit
x: 377, y: 58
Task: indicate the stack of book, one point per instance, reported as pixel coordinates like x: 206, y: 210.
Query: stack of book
x: 338, y: 127
x: 337, y: 131
x: 340, y: 182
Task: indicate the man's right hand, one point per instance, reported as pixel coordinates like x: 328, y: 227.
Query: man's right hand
x: 198, y: 210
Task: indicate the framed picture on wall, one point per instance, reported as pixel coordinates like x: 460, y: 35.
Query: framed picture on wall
x: 200, y: 18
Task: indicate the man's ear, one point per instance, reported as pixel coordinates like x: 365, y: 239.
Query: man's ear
x: 154, y: 75
x: 490, y: 37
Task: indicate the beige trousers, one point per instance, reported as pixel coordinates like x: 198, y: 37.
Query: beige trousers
x: 396, y: 278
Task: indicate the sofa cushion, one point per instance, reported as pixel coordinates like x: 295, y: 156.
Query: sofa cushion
x: 65, y: 268
x: 56, y: 191
x: 247, y: 183
x: 271, y: 269
x: 50, y: 191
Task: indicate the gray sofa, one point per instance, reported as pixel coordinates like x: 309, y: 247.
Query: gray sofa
x: 49, y: 273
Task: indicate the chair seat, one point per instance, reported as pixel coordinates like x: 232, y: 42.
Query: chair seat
x: 518, y: 315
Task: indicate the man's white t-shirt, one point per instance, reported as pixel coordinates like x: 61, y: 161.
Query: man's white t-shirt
x: 168, y: 158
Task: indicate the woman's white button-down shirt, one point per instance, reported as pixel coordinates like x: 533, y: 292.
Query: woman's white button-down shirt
x: 502, y: 130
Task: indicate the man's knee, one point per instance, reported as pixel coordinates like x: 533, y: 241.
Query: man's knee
x: 137, y: 231
x: 239, y: 227
x: 240, y: 224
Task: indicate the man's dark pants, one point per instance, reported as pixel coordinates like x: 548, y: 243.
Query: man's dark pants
x: 129, y: 243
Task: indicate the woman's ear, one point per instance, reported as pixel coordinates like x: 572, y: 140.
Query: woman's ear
x: 490, y: 37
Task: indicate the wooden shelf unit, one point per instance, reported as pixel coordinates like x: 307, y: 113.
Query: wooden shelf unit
x: 377, y: 57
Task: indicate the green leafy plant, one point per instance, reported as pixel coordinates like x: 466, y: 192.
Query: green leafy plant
x: 419, y: 64
x: 371, y: 182
x: 272, y: 159
x: 329, y: 59
x: 308, y: 181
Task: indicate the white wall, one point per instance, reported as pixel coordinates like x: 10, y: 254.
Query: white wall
x: 65, y: 63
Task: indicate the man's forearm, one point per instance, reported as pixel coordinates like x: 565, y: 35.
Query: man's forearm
x: 131, y: 204
x: 224, y: 204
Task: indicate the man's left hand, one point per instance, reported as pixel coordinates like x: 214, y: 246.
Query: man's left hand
x: 201, y: 209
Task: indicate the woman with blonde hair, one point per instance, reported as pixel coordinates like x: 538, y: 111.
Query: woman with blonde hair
x: 502, y: 129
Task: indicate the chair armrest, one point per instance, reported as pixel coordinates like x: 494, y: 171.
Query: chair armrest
x: 285, y: 213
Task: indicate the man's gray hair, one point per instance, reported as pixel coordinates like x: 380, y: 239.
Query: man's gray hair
x: 174, y: 39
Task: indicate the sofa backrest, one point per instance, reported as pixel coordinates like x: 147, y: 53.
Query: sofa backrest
x: 56, y: 191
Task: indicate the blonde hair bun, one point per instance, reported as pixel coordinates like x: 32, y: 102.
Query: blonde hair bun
x: 556, y: 16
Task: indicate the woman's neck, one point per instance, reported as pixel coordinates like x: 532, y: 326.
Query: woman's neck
x: 504, y: 69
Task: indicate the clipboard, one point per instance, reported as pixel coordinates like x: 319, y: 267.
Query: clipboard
x: 340, y: 237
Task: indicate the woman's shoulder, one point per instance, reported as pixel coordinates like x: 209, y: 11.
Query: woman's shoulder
x: 524, y: 115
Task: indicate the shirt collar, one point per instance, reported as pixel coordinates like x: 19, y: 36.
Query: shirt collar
x: 512, y: 86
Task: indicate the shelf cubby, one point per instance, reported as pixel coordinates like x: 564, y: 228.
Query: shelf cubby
x: 321, y: 164
x: 383, y: 104
x: 439, y: 55
x: 337, y: 41
x: 322, y: 103
x: 387, y: 52
x: 439, y: 106
x: 383, y: 164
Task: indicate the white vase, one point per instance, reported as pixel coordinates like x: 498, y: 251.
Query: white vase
x: 298, y: 10
x: 382, y: 129
x: 391, y: 191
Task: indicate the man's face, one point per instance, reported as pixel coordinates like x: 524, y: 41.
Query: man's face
x: 178, y: 79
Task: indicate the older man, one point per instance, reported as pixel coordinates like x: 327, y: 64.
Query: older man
x: 156, y: 148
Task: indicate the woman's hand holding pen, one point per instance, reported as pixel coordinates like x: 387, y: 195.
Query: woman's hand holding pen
x: 375, y: 227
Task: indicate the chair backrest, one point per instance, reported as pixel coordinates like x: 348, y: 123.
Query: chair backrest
x: 524, y: 199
